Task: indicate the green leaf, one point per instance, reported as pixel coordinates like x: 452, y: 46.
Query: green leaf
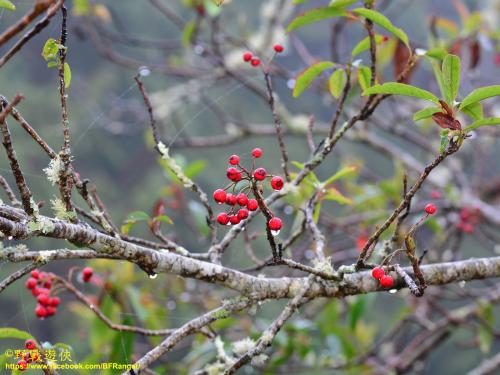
x: 437, y: 53
x: 315, y: 15
x: 356, y: 311
x: 81, y: 7
x: 123, y: 343
x: 164, y: 219
x: 342, y: 3
x: 50, y: 49
x: 14, y: 333
x: 395, y: 88
x: 365, y: 44
x: 426, y: 113
x: 337, y: 82
x: 7, y: 5
x: 443, y: 141
x: 474, y: 111
x: 451, y: 77
x: 473, y: 22
x: 342, y: 173
x: 67, y: 75
x: 298, y: 165
x: 335, y: 195
x: 52, y: 64
x: 490, y: 121
x: 383, y: 22
x: 364, y: 77
x: 305, y: 78
x: 187, y: 33
x: 195, y: 168
x: 438, y: 74
x: 480, y: 94
x: 138, y: 216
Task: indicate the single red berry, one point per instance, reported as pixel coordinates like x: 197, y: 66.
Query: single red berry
x: 30, y: 344
x: 222, y: 218
x: 257, y: 152
x: 51, y: 311
x: 252, y: 204
x: 430, y: 209
x: 274, y: 223
x: 260, y: 174
x: 22, y: 364
x: 242, y: 214
x: 43, y: 299
x: 255, y: 61
x: 386, y: 281
x: 54, y: 301
x: 247, y: 56
x: 43, y: 291
x: 48, y: 284
x: 31, y: 283
x: 87, y: 273
x: 234, y: 159
x: 35, y: 291
x: 277, y: 183
x: 220, y: 196
x: 278, y: 48
x: 378, y: 273
x: 233, y: 174
x: 234, y: 219
x: 242, y: 199
x: 40, y: 311
x: 231, y: 199
x: 35, y: 274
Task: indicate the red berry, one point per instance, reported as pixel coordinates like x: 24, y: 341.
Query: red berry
x: 27, y: 357
x: 234, y: 159
x: 51, y: 311
x: 242, y: 214
x: 30, y: 344
x: 31, y: 283
x: 255, y: 61
x: 35, y: 292
x: 40, y: 311
x: 278, y: 48
x: 35, y: 274
x: 54, y: 301
x: 43, y: 275
x: 231, y: 199
x: 48, y: 284
x: 260, y: 174
x: 386, y: 281
x: 22, y: 364
x: 233, y: 174
x: 43, y: 299
x: 87, y: 273
x: 277, y: 183
x: 220, y: 196
x: 242, y: 199
x: 247, y: 56
x: 234, y: 219
x: 256, y: 152
x: 252, y: 204
x: 274, y: 223
x: 430, y: 209
x: 378, y: 273
x: 222, y: 218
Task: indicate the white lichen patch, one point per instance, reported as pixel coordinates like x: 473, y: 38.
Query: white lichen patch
x: 243, y: 346
x: 323, y: 265
x: 259, y: 360
x: 174, y: 167
x: 47, y: 255
x: 216, y: 368
x: 267, y: 337
x: 54, y: 169
x: 40, y: 224
x: 60, y: 210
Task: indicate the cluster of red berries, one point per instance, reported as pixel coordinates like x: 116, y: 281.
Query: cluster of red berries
x: 469, y: 218
x: 254, y: 60
x: 27, y: 357
x: 237, y: 197
x: 386, y: 281
x: 40, y: 284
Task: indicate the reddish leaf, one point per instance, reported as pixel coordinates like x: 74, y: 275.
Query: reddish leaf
x: 401, y: 56
x: 446, y: 121
x: 456, y: 48
x: 475, y: 53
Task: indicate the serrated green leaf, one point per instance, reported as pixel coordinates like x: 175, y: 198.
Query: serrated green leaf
x: 383, y: 22
x: 7, y: 5
x: 480, y: 94
x: 474, y: 111
x: 426, y: 113
x: 490, y: 121
x: 365, y: 44
x: 364, y: 77
x: 14, y: 333
x: 395, y: 88
x: 305, y: 78
x: 67, y: 75
x: 187, y: 32
x: 451, y: 77
x: 50, y: 49
x: 315, y: 15
x: 337, y: 82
